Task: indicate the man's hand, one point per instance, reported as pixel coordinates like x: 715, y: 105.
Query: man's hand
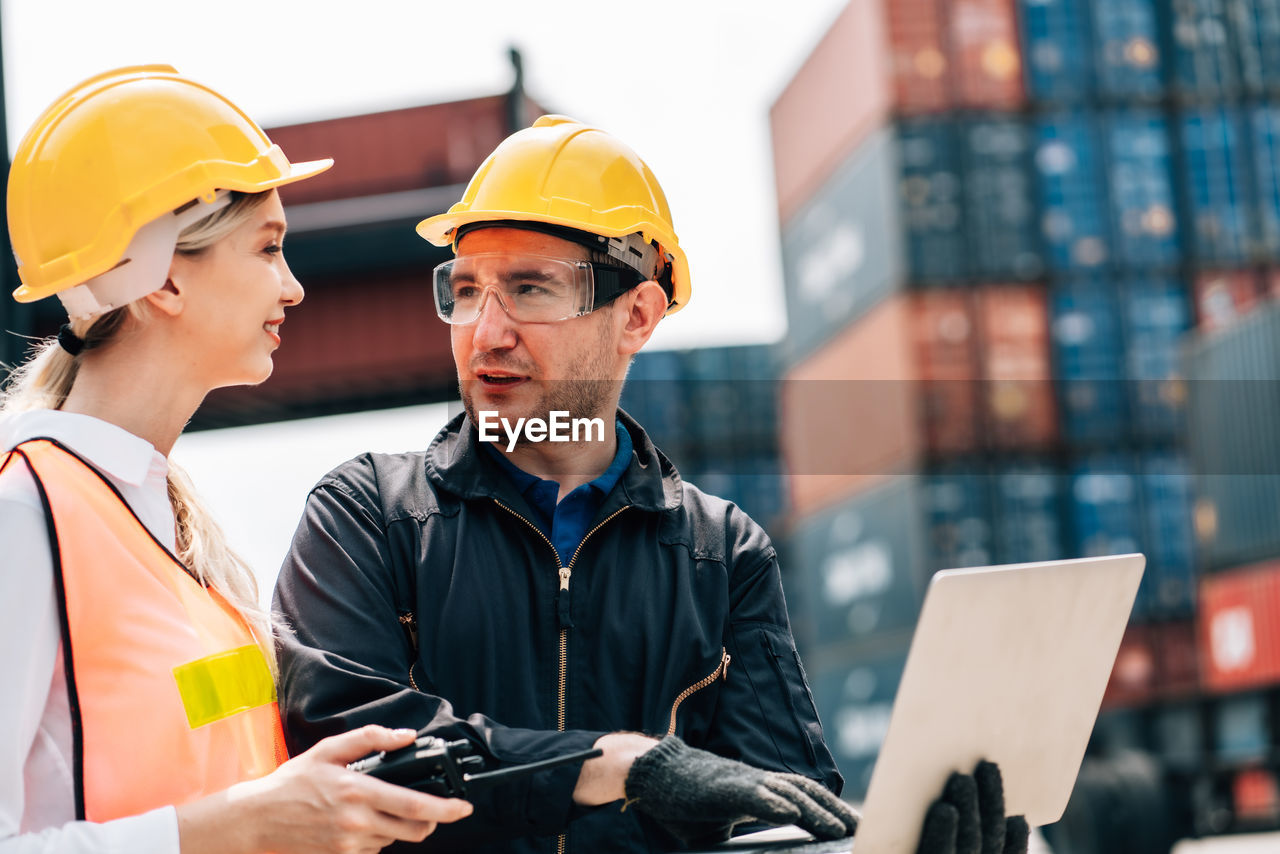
x: 969, y: 818
x: 693, y: 793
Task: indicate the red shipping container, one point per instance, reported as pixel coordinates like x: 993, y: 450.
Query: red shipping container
x: 1222, y: 298
x: 430, y: 146
x: 1239, y: 627
x: 1017, y: 401
x: 987, y: 64
x: 947, y: 355
x: 841, y: 93
x: 1271, y: 284
x: 1135, y: 672
x: 1255, y: 795
x: 848, y: 414
x: 1177, y: 659
x: 918, y: 55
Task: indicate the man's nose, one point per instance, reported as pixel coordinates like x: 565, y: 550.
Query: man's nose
x: 494, y: 329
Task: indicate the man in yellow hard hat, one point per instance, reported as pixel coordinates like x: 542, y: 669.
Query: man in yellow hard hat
x: 540, y: 581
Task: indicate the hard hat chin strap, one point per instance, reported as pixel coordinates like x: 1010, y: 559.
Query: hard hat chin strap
x: 144, y: 266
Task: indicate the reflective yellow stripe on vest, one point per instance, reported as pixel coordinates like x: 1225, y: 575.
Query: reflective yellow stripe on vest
x: 224, y: 684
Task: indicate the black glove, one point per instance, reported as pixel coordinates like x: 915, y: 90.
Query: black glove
x: 692, y: 793
x: 969, y: 818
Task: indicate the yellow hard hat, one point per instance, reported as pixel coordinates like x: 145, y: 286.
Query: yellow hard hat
x: 115, y: 153
x: 564, y: 173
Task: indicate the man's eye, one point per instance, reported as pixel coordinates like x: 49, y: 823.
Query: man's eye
x: 465, y: 292
x: 527, y: 290
x: 273, y: 249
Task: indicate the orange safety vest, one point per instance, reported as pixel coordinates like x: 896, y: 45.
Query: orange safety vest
x: 171, y: 698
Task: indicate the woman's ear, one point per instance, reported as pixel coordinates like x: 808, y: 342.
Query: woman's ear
x: 171, y: 298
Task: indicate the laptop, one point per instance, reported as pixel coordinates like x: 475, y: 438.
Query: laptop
x: 1007, y: 663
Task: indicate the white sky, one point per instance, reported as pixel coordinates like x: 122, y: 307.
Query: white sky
x: 687, y: 84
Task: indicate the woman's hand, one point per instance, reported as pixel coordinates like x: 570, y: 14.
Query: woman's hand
x: 313, y: 804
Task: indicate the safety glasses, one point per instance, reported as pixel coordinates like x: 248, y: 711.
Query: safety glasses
x: 530, y: 288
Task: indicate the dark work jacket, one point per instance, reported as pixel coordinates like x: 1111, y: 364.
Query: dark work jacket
x: 420, y: 594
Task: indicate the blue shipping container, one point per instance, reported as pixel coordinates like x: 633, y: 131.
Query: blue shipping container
x: 1255, y: 26
x: 1073, y: 195
x: 1212, y: 140
x: 1000, y: 209
x: 1240, y: 728
x: 1127, y: 61
x: 958, y: 513
x: 1105, y: 511
x: 1088, y: 355
x: 855, y: 701
x: 1166, y: 508
x: 1056, y: 49
x: 1028, y: 511
x: 1157, y: 317
x: 930, y: 193
x: 731, y: 396
x: 1203, y: 60
x: 1264, y: 139
x: 1140, y: 178
x: 860, y: 565
x: 654, y: 394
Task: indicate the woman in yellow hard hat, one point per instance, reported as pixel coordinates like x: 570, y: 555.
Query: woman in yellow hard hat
x: 140, y: 709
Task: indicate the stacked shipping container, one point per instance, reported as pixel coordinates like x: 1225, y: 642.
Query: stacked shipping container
x: 991, y: 281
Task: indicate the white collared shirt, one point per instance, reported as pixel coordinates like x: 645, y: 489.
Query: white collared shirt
x: 37, y: 802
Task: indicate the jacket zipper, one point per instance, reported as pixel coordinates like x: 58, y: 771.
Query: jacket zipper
x: 721, y: 672
x: 565, y: 573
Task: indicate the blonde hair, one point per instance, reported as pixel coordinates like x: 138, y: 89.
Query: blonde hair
x: 45, y: 380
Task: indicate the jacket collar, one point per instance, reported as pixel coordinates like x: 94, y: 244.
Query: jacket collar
x: 454, y: 463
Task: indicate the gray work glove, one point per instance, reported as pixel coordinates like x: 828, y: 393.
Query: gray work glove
x: 693, y: 794
x: 969, y: 817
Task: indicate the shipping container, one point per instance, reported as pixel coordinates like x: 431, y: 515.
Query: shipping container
x: 930, y: 194
x: 1140, y: 177
x: 1088, y: 352
x: 1255, y: 26
x: 946, y: 353
x: 1105, y: 512
x: 1177, y: 658
x: 859, y: 565
x: 841, y: 94
x: 842, y: 253
x: 754, y: 483
x: 1018, y: 408
x: 1240, y: 729
x: 849, y: 413
x: 1135, y: 674
x: 987, y: 58
x: 999, y: 200
x: 1233, y: 420
x: 958, y: 517
x: 655, y: 395
x: 731, y: 395
x: 1255, y: 796
x: 1157, y: 318
x: 1057, y: 49
x: 1167, y: 496
x: 855, y: 701
x: 1028, y: 513
x: 1264, y: 140
x: 1072, y: 191
x: 918, y: 55
x: 1203, y: 62
x: 1223, y: 297
x: 1127, y: 58
x: 1239, y: 627
x: 1216, y: 180
x: 1179, y: 737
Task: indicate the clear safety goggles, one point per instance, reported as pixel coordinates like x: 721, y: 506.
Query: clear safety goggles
x: 530, y: 288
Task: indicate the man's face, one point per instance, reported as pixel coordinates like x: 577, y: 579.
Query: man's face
x: 525, y: 370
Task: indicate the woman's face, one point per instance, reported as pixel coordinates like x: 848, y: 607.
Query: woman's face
x: 236, y: 292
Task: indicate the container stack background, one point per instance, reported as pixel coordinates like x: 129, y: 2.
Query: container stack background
x: 1031, y: 254
x: 1031, y: 251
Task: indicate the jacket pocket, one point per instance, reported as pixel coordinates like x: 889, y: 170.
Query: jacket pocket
x: 775, y: 666
x: 721, y: 672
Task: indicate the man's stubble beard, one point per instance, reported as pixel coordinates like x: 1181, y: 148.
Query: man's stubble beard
x: 579, y: 396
